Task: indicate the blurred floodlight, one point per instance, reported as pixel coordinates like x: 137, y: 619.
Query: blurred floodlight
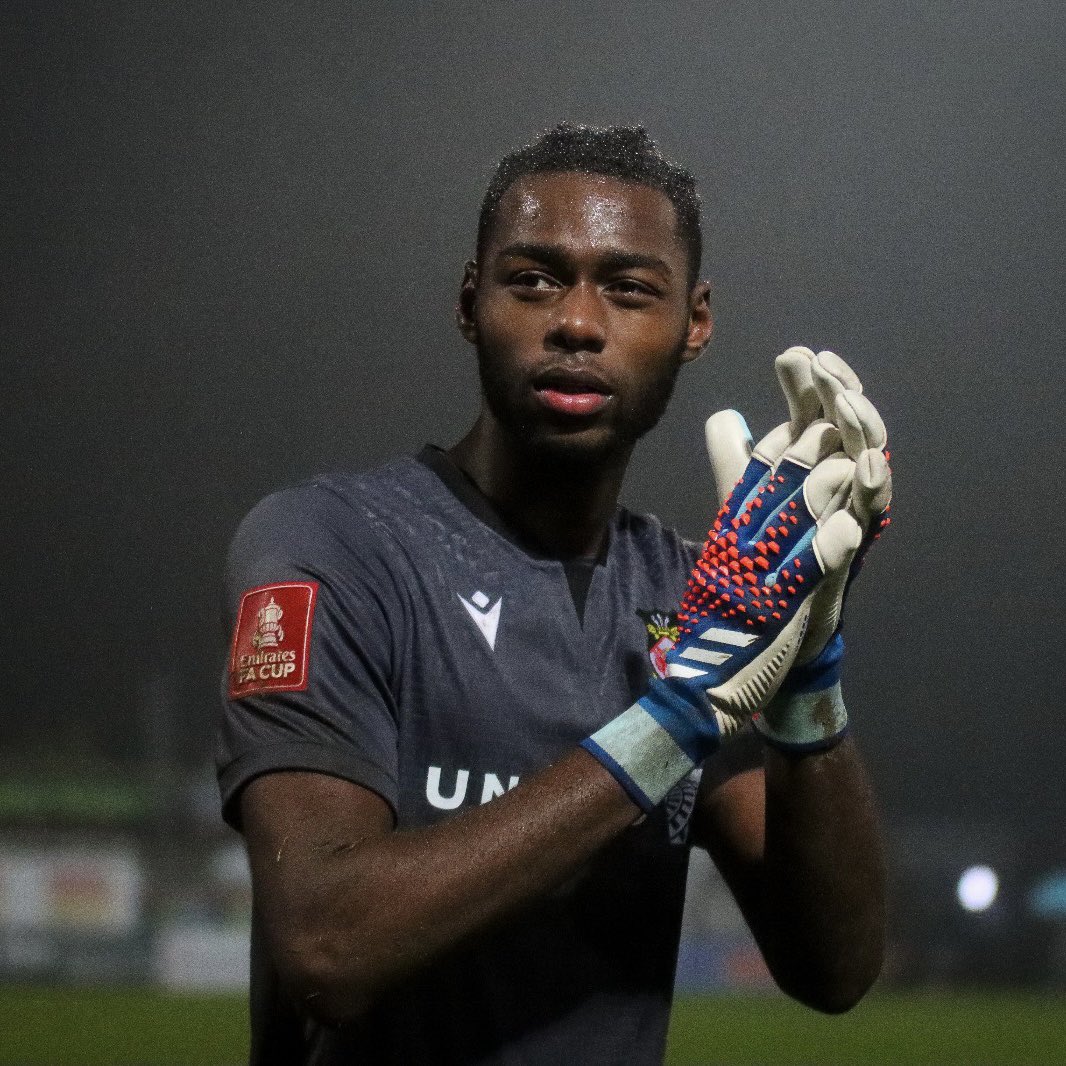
x: 978, y: 887
x: 1047, y: 898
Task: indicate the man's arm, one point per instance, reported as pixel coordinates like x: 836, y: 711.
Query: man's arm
x: 350, y: 906
x: 799, y: 844
x: 798, y: 839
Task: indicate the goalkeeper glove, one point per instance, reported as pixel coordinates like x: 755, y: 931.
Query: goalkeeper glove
x: 780, y: 537
x: 807, y: 713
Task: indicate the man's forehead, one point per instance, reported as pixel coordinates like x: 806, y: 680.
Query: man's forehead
x: 587, y: 209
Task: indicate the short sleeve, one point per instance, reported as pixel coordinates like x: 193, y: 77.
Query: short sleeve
x: 315, y: 615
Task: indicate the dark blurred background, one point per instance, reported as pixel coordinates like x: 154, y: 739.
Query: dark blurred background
x: 232, y: 237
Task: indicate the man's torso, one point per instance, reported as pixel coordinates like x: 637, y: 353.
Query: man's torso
x: 486, y: 675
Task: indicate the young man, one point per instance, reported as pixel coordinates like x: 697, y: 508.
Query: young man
x: 468, y: 842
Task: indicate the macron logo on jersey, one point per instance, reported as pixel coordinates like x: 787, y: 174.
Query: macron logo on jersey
x: 486, y: 618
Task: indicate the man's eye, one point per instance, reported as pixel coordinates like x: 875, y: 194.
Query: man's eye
x: 532, y: 279
x: 632, y: 289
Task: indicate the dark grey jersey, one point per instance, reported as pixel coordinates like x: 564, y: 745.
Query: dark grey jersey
x: 388, y: 631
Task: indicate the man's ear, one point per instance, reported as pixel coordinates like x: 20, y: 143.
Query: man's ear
x: 700, y: 321
x: 466, y: 308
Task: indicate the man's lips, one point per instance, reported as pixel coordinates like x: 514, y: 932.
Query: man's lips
x: 572, y: 392
x: 573, y: 403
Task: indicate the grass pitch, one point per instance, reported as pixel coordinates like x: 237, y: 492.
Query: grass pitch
x: 126, y: 1027
x: 1009, y: 1029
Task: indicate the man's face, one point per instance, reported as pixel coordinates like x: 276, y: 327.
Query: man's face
x: 582, y: 313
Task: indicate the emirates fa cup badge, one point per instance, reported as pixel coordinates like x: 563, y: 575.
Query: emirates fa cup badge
x: 268, y: 631
x: 259, y: 661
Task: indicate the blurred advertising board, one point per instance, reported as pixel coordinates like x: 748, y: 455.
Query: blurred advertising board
x: 73, y: 913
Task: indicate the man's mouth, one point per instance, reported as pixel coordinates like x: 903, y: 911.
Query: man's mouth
x: 579, y: 393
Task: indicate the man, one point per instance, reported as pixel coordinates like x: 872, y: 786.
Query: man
x: 464, y: 847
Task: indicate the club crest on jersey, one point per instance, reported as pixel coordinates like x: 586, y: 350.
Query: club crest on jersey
x: 663, y: 633
x: 266, y: 655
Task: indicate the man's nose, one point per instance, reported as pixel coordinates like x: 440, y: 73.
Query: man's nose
x: 578, y: 323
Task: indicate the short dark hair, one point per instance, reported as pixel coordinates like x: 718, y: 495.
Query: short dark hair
x: 623, y: 152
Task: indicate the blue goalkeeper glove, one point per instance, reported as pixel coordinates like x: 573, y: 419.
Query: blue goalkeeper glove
x: 759, y: 623
x: 807, y: 712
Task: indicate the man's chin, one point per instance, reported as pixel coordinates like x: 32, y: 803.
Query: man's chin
x: 586, y: 446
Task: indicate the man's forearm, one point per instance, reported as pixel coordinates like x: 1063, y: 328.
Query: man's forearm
x: 823, y: 914
x: 367, y: 912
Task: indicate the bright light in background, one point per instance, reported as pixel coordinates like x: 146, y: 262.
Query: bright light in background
x: 978, y: 887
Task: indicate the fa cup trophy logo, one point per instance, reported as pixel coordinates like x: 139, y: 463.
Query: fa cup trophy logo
x: 268, y: 632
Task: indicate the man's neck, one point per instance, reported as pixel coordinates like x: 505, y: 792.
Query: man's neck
x: 559, y: 506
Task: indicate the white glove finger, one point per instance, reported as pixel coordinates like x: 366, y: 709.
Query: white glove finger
x: 829, y: 486
x: 836, y: 543
x: 831, y: 376
x: 872, y: 489
x: 771, y: 447
x: 859, y: 423
x: 793, y: 368
x: 728, y: 448
x: 830, y: 363
x: 817, y: 442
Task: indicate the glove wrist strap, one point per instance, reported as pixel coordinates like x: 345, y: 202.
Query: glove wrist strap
x: 804, y: 721
x: 646, y: 758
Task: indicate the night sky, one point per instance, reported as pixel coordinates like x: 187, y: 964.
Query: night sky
x: 232, y: 237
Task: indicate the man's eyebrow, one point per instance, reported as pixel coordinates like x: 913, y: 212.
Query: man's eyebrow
x: 627, y: 260
x: 545, y: 253
x: 617, y: 259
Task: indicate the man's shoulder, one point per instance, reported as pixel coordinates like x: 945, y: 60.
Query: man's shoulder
x: 362, y: 497
x: 343, y: 512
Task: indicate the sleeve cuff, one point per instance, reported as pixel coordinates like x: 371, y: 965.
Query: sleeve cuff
x: 313, y: 758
